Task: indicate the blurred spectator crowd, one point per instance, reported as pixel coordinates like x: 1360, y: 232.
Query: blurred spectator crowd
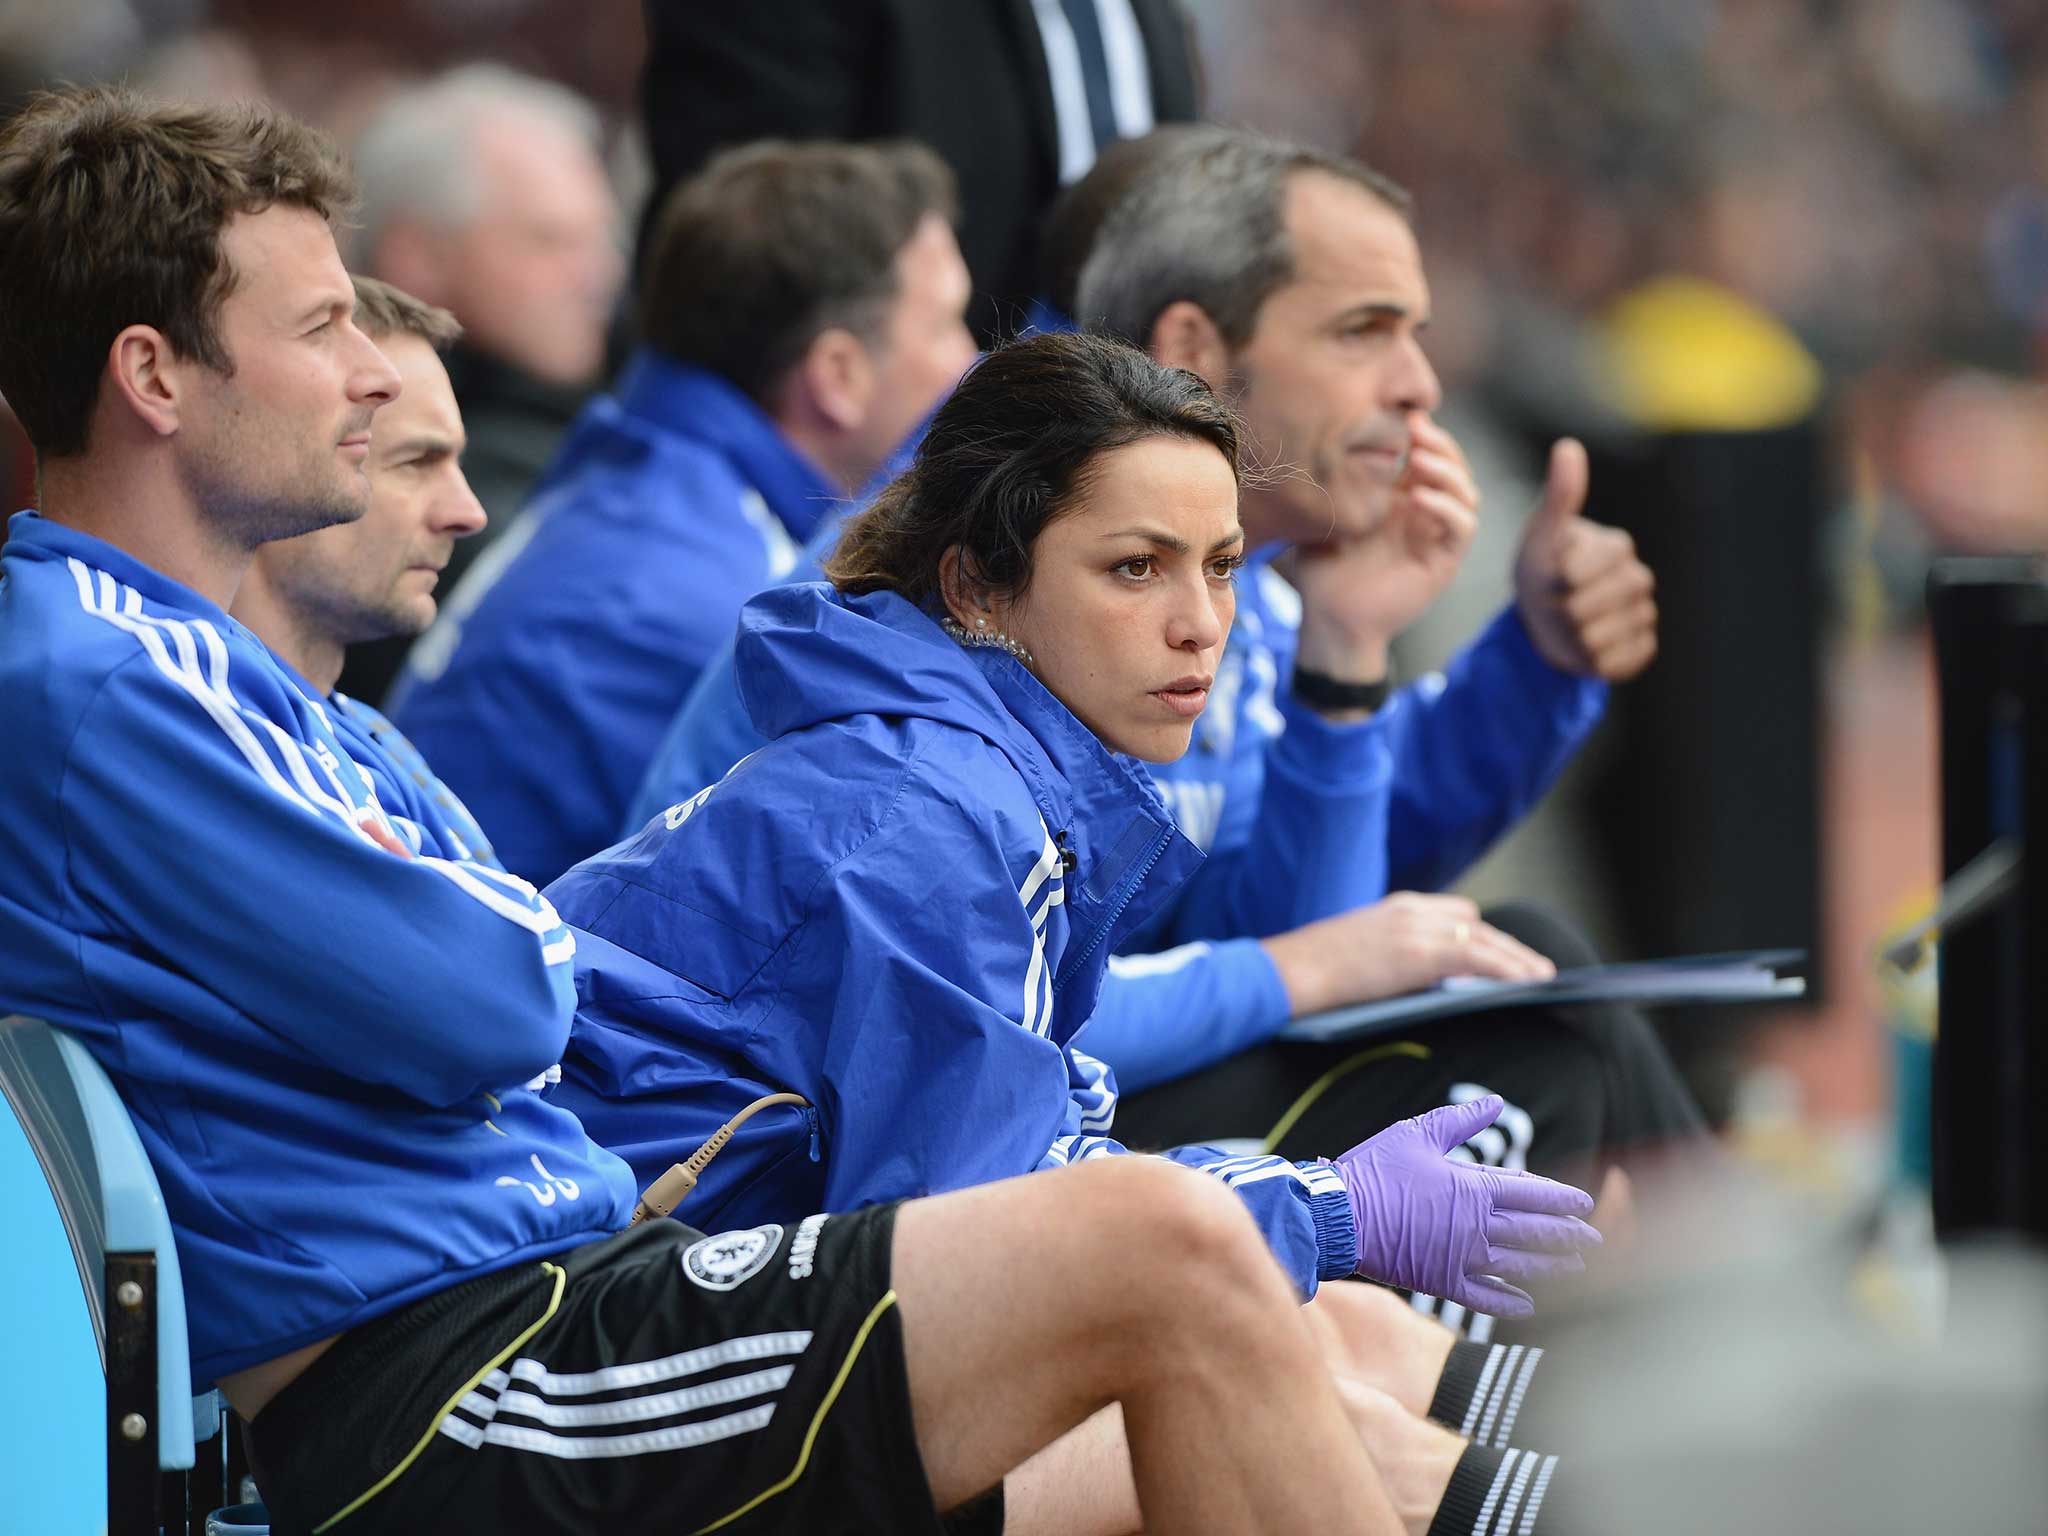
x: 1873, y: 174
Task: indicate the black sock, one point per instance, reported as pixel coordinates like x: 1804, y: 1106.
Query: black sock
x: 1481, y: 1391
x: 1495, y: 1493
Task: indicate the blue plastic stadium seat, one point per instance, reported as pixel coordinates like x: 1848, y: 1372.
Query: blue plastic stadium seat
x: 119, y: 1234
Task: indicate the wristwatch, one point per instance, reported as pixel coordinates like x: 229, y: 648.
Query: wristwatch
x: 1319, y: 691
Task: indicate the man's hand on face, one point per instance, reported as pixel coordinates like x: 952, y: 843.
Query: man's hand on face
x: 1586, y: 598
x: 1358, y: 593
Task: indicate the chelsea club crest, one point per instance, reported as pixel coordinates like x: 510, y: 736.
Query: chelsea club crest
x: 719, y: 1263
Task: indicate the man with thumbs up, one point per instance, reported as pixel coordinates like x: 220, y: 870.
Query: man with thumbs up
x: 1292, y: 281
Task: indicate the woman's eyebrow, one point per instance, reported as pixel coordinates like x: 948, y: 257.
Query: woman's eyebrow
x: 1166, y: 541
x: 1173, y: 543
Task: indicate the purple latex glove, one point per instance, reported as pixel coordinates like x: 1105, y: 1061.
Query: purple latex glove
x: 1459, y: 1230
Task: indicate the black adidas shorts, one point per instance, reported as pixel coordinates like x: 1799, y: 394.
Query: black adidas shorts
x: 657, y: 1380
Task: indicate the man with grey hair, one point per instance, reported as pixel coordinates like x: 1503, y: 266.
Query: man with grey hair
x: 1292, y: 281
x: 483, y: 193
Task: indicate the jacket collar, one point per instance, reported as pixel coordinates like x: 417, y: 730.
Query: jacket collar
x: 697, y: 404
x: 1127, y: 854
x: 32, y: 536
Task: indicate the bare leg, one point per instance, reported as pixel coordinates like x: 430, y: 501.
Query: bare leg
x: 1376, y: 1337
x: 1372, y: 1341
x: 1080, y: 1485
x: 1415, y: 1457
x: 1029, y: 1305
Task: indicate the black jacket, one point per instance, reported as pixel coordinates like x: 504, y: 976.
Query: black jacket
x: 966, y: 76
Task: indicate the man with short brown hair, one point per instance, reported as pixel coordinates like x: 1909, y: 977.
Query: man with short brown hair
x: 313, y: 596
x: 113, y: 211
x: 385, y: 311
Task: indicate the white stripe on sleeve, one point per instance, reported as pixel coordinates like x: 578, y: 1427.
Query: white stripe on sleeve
x: 208, y: 687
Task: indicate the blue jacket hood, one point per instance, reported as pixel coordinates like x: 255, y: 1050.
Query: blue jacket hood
x: 808, y: 655
x: 930, y: 863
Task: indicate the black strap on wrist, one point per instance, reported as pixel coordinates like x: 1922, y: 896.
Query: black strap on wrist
x: 1319, y: 691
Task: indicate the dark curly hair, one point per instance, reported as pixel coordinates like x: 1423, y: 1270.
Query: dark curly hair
x: 1012, y: 449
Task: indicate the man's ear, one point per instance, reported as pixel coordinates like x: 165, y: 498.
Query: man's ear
x: 1185, y: 337
x: 146, y: 379
x: 837, y: 377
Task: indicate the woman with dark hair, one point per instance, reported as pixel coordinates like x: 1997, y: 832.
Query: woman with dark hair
x: 900, y: 910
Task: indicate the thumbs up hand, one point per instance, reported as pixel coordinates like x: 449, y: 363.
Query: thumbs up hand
x: 1585, y: 596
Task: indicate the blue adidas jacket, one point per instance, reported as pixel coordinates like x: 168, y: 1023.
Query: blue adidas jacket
x: 423, y: 808
x: 325, y: 1047
x: 1406, y: 800
x: 671, y: 502
x: 901, y: 908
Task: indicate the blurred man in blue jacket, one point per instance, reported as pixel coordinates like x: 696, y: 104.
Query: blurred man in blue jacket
x: 804, y: 309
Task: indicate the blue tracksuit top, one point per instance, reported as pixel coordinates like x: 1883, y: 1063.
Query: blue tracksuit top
x: 900, y: 908
x: 1302, y: 819
x: 671, y: 501
x: 431, y: 812
x: 325, y: 1047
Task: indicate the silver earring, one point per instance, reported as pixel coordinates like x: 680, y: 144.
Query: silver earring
x: 980, y: 636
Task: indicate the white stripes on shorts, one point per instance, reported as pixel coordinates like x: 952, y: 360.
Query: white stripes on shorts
x: 633, y: 1408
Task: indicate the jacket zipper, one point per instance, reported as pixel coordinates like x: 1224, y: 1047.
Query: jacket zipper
x: 1102, y: 928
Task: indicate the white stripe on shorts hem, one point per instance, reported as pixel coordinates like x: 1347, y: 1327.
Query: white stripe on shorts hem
x: 1515, y: 1492
x: 1536, y: 1495
x: 1499, y: 1396
x: 1478, y: 1404
x: 1514, y: 1402
x: 1500, y: 1477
